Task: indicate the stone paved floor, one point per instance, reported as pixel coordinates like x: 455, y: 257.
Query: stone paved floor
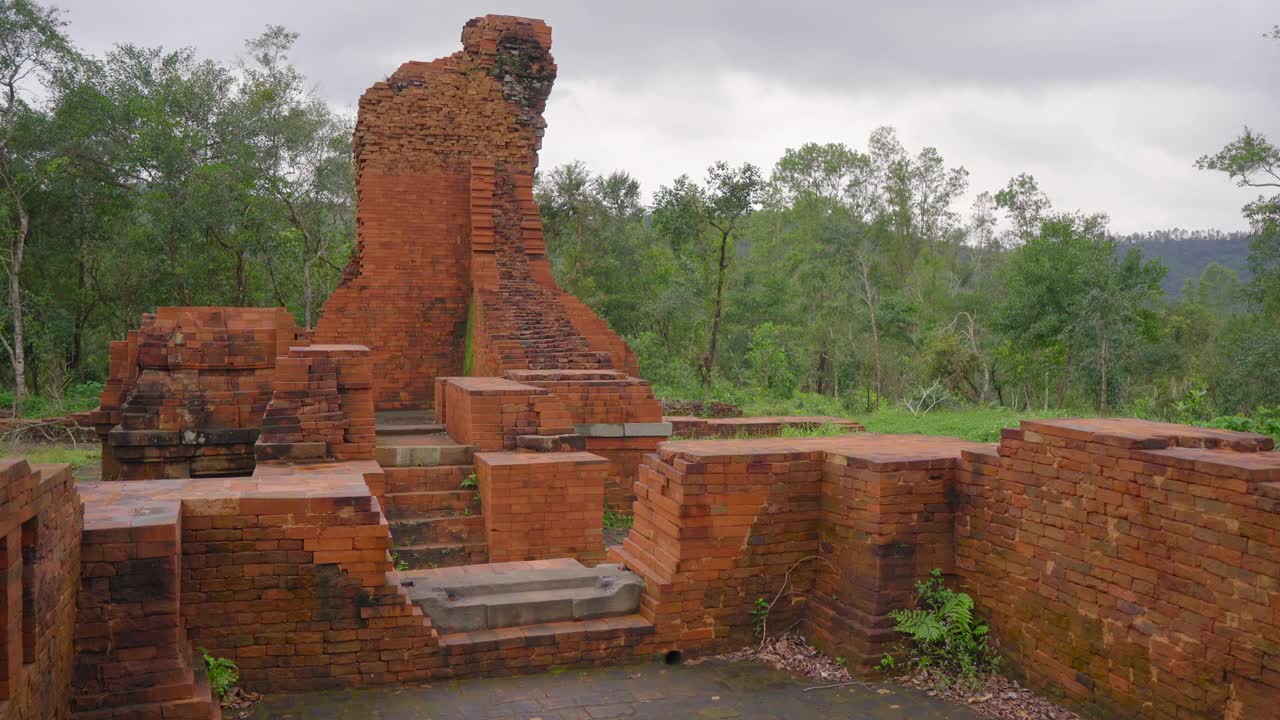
x: 710, y: 690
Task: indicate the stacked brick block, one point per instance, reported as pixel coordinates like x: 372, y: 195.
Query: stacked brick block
x: 288, y: 575
x: 447, y: 226
x: 887, y: 521
x: 321, y: 406
x: 1130, y: 566
x: 40, y: 522
x: 132, y: 654
x: 490, y: 413
x: 187, y: 391
x: 542, y: 505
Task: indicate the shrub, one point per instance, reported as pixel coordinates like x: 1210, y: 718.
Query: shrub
x: 943, y: 634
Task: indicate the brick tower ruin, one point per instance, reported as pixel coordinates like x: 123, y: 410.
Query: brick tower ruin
x: 449, y: 235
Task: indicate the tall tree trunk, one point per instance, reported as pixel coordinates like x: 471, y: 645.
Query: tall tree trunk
x: 18, y: 351
x: 822, y: 371
x: 869, y: 296
x: 306, y: 292
x: 710, y: 358
x: 1102, y: 403
x: 1065, y: 386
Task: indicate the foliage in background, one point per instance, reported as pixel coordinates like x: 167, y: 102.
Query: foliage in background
x: 145, y: 177
x: 844, y: 280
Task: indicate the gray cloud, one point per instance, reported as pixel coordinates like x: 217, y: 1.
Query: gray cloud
x: 1107, y: 102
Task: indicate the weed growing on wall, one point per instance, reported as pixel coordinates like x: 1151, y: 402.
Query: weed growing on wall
x: 223, y: 673
x: 943, y: 635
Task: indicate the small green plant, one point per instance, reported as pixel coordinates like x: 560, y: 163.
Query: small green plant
x: 759, y: 614
x: 466, y: 511
x: 468, y: 482
x: 223, y: 673
x: 842, y: 661
x: 398, y: 563
x: 614, y: 520
x: 887, y: 663
x: 943, y: 634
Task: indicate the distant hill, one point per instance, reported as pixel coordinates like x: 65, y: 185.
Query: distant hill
x: 1188, y: 252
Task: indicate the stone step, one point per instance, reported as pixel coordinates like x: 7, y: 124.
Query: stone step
x: 426, y: 479
x: 515, y: 594
x: 425, y: 429
x: 625, y: 627
x: 431, y: 503
x: 417, y: 450
x: 441, y: 555
x: 437, y: 530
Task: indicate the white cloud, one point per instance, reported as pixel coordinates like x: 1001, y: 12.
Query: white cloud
x: 1107, y: 102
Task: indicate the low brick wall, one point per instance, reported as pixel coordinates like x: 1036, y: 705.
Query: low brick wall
x: 40, y: 522
x: 543, y: 505
x: 1131, y: 568
x: 837, y: 529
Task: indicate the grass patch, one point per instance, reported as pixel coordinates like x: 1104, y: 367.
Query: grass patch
x: 617, y: 521
x: 37, y: 454
x: 823, y: 430
x: 982, y: 424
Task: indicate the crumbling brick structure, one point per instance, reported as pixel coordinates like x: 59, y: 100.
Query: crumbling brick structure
x: 448, y: 231
x: 188, y: 389
x: 321, y: 406
x: 40, y: 523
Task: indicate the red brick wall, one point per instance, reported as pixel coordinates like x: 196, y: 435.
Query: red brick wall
x: 854, y: 519
x: 1128, y: 568
x: 542, y: 505
x: 40, y: 520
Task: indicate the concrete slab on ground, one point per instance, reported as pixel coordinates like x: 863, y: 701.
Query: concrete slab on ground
x: 710, y: 690
x: 521, y: 593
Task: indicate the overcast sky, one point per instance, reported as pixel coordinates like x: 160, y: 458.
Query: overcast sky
x: 1107, y: 103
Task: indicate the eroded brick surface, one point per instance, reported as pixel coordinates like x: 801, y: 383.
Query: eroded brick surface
x: 445, y: 153
x: 187, y: 391
x: 1133, y: 567
x: 40, y: 521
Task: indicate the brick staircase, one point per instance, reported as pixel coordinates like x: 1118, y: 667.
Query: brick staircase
x: 526, y: 325
x: 435, y: 521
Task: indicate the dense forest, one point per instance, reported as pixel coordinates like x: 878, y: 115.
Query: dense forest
x: 844, y: 278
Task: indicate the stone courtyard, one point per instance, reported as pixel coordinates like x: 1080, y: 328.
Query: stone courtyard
x: 711, y: 691
x: 395, y: 513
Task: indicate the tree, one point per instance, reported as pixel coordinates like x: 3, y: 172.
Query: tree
x: 686, y: 210
x: 1252, y: 161
x: 1026, y: 204
x: 32, y: 48
x: 302, y: 150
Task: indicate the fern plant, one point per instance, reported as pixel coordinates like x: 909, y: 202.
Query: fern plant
x: 223, y: 672
x: 944, y: 634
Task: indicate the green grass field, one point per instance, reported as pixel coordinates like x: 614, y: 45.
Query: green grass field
x: 60, y: 453
x: 982, y: 424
